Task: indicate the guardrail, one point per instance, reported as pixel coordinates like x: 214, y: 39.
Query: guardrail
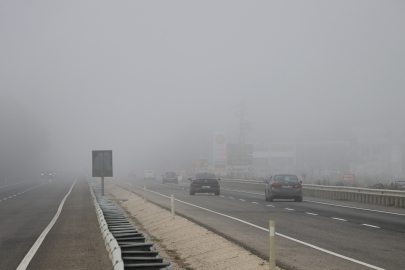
x: 364, y: 195
x: 127, y: 248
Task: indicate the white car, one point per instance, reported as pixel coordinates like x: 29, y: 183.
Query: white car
x: 149, y: 175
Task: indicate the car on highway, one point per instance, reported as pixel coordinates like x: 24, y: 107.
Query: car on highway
x: 204, y: 183
x: 283, y: 186
x: 46, y: 175
x: 149, y: 175
x: 132, y: 175
x: 170, y: 177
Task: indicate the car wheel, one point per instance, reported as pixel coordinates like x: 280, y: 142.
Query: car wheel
x: 192, y: 192
x: 299, y: 199
x: 270, y: 199
x: 217, y: 193
x: 265, y: 195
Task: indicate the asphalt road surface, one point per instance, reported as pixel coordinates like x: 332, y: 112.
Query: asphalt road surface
x: 27, y: 208
x: 333, y: 234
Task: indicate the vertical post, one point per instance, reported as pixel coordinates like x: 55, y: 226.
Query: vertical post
x: 172, y: 202
x: 144, y: 193
x: 102, y: 174
x: 272, y: 255
x: 102, y: 185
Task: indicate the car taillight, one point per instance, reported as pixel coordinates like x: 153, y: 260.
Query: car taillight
x: 164, y: 175
x: 196, y: 181
x: 275, y: 185
x: 215, y: 181
x: 297, y: 186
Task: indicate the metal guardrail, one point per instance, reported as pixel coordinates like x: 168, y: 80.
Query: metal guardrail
x: 365, y: 195
x: 127, y: 248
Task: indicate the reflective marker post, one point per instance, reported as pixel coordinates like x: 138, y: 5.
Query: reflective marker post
x: 172, y: 202
x: 144, y: 193
x: 272, y: 255
x: 102, y: 185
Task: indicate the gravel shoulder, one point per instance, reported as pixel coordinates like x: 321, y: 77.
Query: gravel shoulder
x: 180, y: 241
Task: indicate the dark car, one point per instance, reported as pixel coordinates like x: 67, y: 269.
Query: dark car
x: 204, y: 183
x: 170, y: 177
x: 283, y: 186
x: 48, y: 175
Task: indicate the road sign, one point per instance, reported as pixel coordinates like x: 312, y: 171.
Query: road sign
x: 102, y: 163
x: 348, y: 177
x: 304, y: 175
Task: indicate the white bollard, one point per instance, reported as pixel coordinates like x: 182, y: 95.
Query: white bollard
x: 172, y: 202
x: 272, y: 255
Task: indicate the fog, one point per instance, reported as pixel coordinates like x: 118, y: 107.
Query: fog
x: 152, y: 80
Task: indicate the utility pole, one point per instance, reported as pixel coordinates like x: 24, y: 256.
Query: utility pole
x: 244, y: 125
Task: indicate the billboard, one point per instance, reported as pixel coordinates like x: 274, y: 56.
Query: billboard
x: 102, y: 163
x: 348, y: 177
x: 239, y: 149
x: 240, y: 160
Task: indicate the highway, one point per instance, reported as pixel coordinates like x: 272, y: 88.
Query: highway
x: 27, y: 208
x: 314, y: 234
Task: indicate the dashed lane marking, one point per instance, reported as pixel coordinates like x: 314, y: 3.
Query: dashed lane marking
x: 289, y: 209
x: 311, y: 214
x: 255, y: 202
x: 372, y: 226
x: 242, y: 200
x: 341, y: 219
x: 270, y: 205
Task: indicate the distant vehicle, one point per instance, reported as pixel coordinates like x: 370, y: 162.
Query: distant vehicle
x: 48, y: 175
x: 132, y: 175
x: 204, y: 183
x: 149, y: 175
x: 283, y: 186
x: 170, y: 177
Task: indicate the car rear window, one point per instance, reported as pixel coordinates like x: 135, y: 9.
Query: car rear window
x: 205, y: 176
x: 286, y: 178
x: 170, y: 174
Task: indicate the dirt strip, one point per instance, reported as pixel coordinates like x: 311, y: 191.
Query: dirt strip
x: 180, y: 241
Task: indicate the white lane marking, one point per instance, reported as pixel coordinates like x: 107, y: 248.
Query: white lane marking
x: 4, y: 199
x: 28, y: 257
x: 242, y: 200
x: 330, y: 204
x: 222, y: 196
x: 230, y: 198
x: 270, y: 205
x: 15, y: 195
x: 357, y: 208
x: 15, y: 184
x: 255, y: 202
x: 311, y: 213
x: 10, y: 197
x: 267, y: 230
x: 289, y: 209
x: 370, y: 226
x: 339, y: 219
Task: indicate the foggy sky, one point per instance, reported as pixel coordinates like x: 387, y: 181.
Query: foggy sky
x: 139, y: 77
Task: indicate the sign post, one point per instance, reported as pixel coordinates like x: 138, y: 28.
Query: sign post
x: 102, y: 165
